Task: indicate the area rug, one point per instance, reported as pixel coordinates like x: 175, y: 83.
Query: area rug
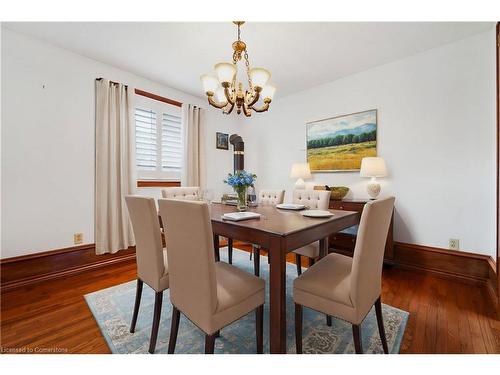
x: 112, y: 309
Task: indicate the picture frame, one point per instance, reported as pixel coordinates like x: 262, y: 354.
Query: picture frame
x: 338, y: 144
x: 222, y: 141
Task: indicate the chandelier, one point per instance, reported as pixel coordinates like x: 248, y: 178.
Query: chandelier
x: 225, y: 92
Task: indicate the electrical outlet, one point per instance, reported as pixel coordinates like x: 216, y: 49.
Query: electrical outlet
x: 454, y: 244
x: 78, y: 238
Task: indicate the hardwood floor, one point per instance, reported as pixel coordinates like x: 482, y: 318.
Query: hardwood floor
x: 445, y: 316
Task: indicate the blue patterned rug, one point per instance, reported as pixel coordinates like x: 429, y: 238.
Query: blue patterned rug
x: 112, y: 309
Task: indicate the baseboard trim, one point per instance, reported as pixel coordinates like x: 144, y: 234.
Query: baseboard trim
x: 34, y: 268
x: 458, y: 265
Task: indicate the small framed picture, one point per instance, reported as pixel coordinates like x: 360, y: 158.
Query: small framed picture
x: 222, y: 141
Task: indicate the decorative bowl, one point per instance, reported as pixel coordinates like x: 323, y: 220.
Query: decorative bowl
x: 338, y: 192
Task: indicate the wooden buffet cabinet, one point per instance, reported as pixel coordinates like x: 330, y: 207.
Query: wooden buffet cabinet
x: 344, y: 241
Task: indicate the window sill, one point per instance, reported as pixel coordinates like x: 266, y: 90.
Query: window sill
x: 158, y: 183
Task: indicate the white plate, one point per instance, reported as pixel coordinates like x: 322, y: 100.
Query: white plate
x: 290, y: 206
x: 316, y: 213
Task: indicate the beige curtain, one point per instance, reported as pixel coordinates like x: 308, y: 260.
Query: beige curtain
x: 114, y: 166
x: 194, y: 169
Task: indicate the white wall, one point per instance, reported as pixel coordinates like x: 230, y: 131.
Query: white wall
x: 436, y: 131
x: 48, y: 143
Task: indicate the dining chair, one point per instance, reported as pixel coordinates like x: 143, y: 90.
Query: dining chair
x: 345, y: 287
x: 181, y: 192
x: 265, y: 197
x: 193, y: 193
x: 315, y: 200
x: 210, y: 294
x: 152, y: 266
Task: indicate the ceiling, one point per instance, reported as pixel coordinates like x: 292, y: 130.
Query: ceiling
x: 300, y: 55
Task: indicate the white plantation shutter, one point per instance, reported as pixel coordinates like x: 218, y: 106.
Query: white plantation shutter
x: 146, y: 136
x: 171, y: 143
x: 159, y: 143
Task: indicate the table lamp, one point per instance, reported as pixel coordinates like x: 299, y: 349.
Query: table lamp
x: 373, y: 167
x: 300, y: 171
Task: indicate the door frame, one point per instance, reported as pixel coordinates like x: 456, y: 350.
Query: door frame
x: 497, y: 49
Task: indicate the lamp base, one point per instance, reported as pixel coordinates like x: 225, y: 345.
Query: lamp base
x: 373, y: 188
x: 300, y: 184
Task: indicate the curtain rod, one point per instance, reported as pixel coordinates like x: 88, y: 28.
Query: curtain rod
x: 151, y: 95
x: 116, y: 83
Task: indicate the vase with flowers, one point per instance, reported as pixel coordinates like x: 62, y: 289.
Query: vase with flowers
x: 240, y: 182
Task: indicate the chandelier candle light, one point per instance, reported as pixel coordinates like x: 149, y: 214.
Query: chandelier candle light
x: 225, y: 92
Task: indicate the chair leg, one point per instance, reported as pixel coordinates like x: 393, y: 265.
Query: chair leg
x: 156, y: 321
x: 299, y: 265
x: 256, y: 260
x: 328, y: 320
x: 210, y: 343
x: 356, y: 333
x: 230, y: 250
x: 138, y: 294
x: 380, y: 322
x: 216, y: 247
x: 311, y: 262
x: 174, y: 328
x: 298, y: 328
x: 259, y: 328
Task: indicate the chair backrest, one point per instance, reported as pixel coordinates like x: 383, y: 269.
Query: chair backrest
x: 148, y: 243
x: 188, y: 193
x: 366, y: 272
x: 274, y: 197
x: 314, y: 199
x: 191, y: 260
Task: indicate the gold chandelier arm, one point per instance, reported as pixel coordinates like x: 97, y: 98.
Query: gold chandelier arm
x: 264, y: 108
x: 255, y: 99
x: 228, y: 95
x: 246, y: 110
x: 214, y: 103
x: 229, y: 110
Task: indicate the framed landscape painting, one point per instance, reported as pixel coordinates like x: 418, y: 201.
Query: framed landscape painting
x: 338, y: 144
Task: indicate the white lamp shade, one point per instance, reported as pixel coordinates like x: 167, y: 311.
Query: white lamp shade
x: 268, y: 92
x: 373, y: 167
x: 209, y: 83
x: 259, y: 77
x: 225, y: 72
x: 300, y: 170
x: 220, y: 96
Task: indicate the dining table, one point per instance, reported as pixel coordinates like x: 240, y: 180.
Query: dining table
x: 278, y: 231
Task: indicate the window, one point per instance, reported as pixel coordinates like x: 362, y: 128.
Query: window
x: 158, y: 140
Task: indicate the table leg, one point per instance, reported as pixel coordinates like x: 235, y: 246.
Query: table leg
x: 277, y: 297
x: 216, y: 247
x: 323, y: 247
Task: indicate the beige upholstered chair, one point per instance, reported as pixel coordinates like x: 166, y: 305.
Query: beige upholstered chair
x: 266, y: 197
x: 348, y: 287
x: 269, y: 196
x: 193, y: 193
x: 212, y: 295
x: 152, y: 266
x: 188, y: 192
x: 314, y: 200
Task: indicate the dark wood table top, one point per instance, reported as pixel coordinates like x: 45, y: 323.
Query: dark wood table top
x: 274, y: 220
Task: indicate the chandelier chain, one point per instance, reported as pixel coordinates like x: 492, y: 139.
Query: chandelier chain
x: 247, y: 64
